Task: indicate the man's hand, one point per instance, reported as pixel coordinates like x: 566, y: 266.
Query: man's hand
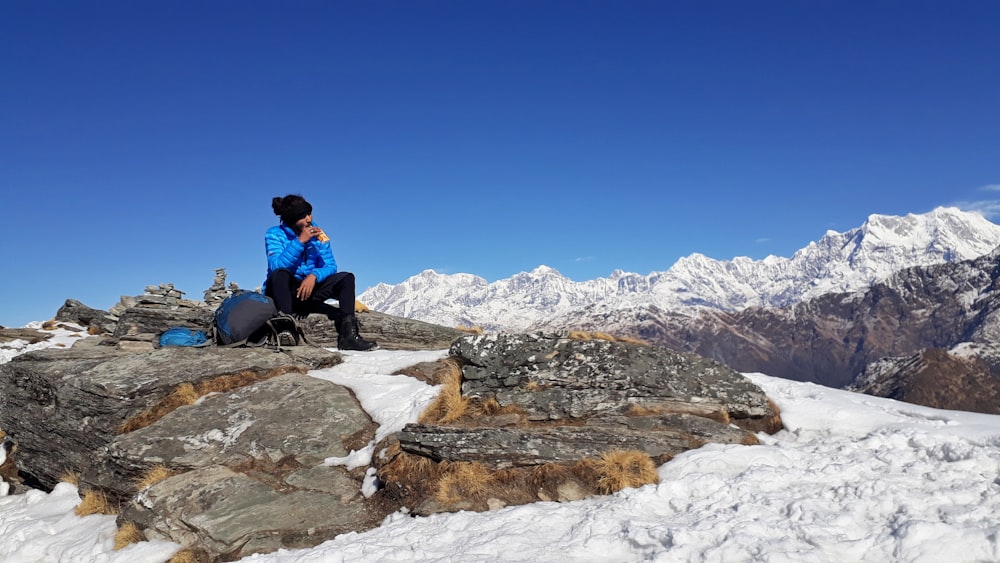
x: 306, y: 288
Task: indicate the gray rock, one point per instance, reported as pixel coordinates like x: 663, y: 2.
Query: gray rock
x: 230, y: 515
x: 64, y: 407
x: 76, y: 312
x: 661, y: 437
x: 146, y: 323
x: 247, y: 426
x: 551, y: 377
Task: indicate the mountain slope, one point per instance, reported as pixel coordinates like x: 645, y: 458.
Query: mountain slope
x: 838, y: 262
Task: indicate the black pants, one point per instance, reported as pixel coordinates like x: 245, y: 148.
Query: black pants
x: 282, y: 285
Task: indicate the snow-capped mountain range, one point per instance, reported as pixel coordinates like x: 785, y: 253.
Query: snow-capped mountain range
x: 838, y: 262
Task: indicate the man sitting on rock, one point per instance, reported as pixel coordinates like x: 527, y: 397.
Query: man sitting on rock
x: 301, y: 271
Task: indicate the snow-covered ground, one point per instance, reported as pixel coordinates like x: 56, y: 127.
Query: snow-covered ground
x: 851, y: 478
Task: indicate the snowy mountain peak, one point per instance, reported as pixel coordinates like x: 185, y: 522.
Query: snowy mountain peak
x: 544, y: 270
x: 837, y: 262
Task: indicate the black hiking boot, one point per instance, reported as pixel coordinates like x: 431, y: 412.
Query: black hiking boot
x: 348, y: 337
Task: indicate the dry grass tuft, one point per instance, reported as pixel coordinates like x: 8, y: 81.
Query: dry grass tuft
x: 187, y: 393
x: 449, y: 405
x: 641, y: 410
x: 224, y: 383
x: 469, y: 329
x: 70, y: 476
x: 95, y: 502
x: 128, y: 534
x: 773, y: 423
x: 463, y: 481
x: 721, y: 416
x: 534, y: 386
x: 620, y: 469
x: 631, y: 340
x: 590, y: 335
x: 152, y: 476
x: 184, y: 556
x: 492, y: 407
x: 549, y: 474
x: 408, y: 467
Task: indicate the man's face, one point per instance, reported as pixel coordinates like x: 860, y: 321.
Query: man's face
x: 303, y: 223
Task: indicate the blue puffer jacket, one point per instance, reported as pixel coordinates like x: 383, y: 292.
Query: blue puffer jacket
x: 284, y: 250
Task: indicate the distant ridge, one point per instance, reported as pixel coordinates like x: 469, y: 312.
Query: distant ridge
x: 836, y: 263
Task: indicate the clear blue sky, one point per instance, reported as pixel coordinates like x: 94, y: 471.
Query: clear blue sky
x: 141, y: 142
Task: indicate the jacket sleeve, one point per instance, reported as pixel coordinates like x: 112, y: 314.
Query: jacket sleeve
x: 282, y: 251
x: 329, y: 265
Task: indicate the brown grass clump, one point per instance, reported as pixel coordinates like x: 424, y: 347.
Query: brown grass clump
x: 183, y: 394
x: 641, y: 410
x: 620, y: 469
x: 184, y: 556
x: 545, y: 475
x: 152, y: 476
x: 721, y: 416
x: 631, y: 340
x: 590, y: 335
x: 463, y: 481
x: 224, y: 383
x: 95, y: 502
x: 492, y: 407
x: 774, y: 423
x: 405, y: 467
x: 128, y: 534
x: 70, y: 476
x: 188, y: 393
x: 449, y: 405
x: 469, y: 329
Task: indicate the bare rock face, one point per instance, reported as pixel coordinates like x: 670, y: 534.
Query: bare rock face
x: 249, y: 425
x: 542, y: 414
x: 224, y: 450
x: 76, y: 312
x: 226, y: 514
x: 250, y: 476
x: 65, y: 407
x: 551, y: 376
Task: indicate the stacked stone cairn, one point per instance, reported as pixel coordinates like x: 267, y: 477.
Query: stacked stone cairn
x: 215, y: 295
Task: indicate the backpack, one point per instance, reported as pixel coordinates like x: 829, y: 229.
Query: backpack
x: 249, y: 318
x: 183, y: 336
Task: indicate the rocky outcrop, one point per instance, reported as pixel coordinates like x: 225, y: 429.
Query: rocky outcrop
x: 233, y: 451
x: 66, y: 407
x: 533, y: 409
x: 553, y: 376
